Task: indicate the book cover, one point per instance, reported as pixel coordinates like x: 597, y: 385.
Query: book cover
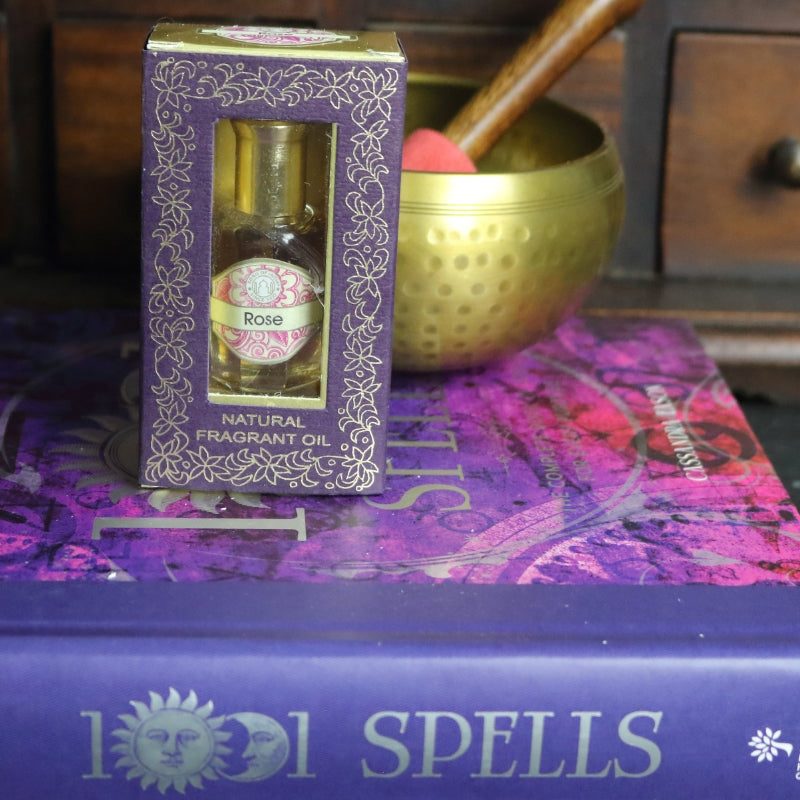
x: 612, y: 453
x: 578, y: 582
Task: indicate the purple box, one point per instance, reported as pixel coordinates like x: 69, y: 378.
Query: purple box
x: 271, y: 179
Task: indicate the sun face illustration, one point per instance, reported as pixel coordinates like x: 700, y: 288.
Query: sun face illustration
x: 172, y: 743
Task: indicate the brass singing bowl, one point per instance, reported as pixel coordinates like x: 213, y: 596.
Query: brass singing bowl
x: 489, y: 263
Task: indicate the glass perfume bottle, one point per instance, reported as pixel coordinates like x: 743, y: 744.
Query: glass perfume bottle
x: 268, y: 269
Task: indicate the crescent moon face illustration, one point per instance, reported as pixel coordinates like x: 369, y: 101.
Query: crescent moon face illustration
x: 267, y: 749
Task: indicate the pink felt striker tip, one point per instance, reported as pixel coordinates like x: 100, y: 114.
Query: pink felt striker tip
x: 426, y: 150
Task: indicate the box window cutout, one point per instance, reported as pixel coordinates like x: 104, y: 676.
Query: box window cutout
x: 270, y: 262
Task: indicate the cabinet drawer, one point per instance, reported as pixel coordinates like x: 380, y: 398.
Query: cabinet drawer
x: 5, y: 146
x: 97, y: 69
x: 733, y: 97
x: 97, y: 85
x: 593, y: 85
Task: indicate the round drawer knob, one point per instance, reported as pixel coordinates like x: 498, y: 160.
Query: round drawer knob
x: 784, y: 161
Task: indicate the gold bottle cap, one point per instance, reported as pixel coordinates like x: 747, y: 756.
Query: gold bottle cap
x: 270, y: 169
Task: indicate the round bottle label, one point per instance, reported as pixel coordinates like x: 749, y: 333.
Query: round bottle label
x: 264, y: 310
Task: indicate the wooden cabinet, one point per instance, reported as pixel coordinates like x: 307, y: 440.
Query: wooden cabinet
x: 97, y: 81
x: 695, y: 92
x: 97, y: 123
x: 726, y: 212
x: 5, y: 149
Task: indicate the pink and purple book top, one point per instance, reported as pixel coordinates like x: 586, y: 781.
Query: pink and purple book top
x: 611, y: 453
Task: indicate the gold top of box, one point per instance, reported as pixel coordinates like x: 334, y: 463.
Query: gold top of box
x: 275, y: 41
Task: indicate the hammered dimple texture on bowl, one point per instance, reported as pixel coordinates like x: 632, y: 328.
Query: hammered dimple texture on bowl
x: 489, y: 263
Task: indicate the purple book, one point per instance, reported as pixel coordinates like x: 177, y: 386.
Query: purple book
x: 579, y: 582
x: 612, y: 453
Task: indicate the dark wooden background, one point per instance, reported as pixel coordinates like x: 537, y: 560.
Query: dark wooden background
x: 695, y: 91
